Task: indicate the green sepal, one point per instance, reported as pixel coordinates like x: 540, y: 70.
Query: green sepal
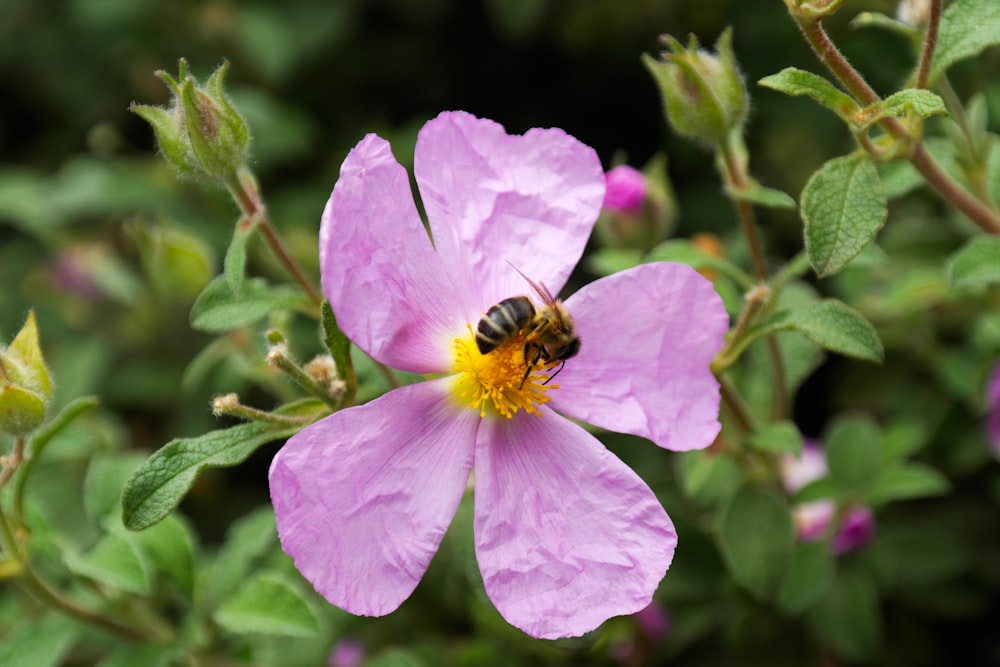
x: 22, y: 364
x: 340, y: 349
x: 21, y: 410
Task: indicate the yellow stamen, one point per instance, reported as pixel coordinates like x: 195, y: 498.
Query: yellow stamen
x: 492, y: 382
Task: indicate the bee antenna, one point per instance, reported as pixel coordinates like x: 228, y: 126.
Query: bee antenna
x: 542, y: 290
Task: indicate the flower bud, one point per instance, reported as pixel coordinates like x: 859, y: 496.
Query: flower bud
x: 703, y: 94
x: 25, y: 383
x: 200, y: 133
x: 639, y: 208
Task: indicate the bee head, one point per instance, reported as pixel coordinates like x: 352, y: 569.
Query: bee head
x: 568, y: 350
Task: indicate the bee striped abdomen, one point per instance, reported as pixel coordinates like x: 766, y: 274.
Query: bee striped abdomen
x: 502, y: 321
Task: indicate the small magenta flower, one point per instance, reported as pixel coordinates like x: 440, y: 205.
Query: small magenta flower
x: 626, y: 189
x: 566, y: 535
x: 993, y: 409
x: 813, y: 518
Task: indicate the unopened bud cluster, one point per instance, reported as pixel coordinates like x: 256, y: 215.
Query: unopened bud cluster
x: 25, y: 383
x: 200, y: 132
x: 703, y: 94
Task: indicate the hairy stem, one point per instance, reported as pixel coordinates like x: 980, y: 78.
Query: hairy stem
x: 942, y: 183
x: 244, y: 191
x: 930, y: 42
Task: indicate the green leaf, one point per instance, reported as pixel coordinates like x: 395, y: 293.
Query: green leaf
x: 249, y: 539
x: 267, y: 604
x: 809, y: 578
x: 849, y: 618
x: 756, y: 537
x: 793, y: 81
x: 976, y: 263
x: 38, y: 643
x: 967, y: 27
x: 708, y: 478
x: 853, y: 446
x: 116, y: 562
x: 169, y: 546
x: 156, y: 488
x: 839, y: 328
x: 106, y: 477
x: 921, y: 102
x: 148, y: 655
x: 762, y: 196
x: 683, y: 251
x: 235, y: 262
x: 780, y: 437
x: 843, y: 207
x: 218, y: 309
x: 912, y: 480
x: 606, y: 261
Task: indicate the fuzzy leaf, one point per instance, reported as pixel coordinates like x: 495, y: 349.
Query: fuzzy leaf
x: 794, y: 81
x: 843, y: 207
x: 235, y: 263
x: 967, y: 27
x: 809, y: 578
x: 762, y: 196
x: 976, y: 263
x: 780, y: 437
x: 116, y: 562
x: 155, y: 489
x: 756, y: 537
x: 218, y: 309
x: 922, y: 102
x: 839, y: 328
x: 849, y: 617
x: 38, y: 642
x: 169, y: 547
x: 853, y: 446
x: 912, y: 480
x: 266, y: 604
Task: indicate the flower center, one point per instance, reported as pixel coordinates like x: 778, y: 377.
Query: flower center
x: 496, y: 382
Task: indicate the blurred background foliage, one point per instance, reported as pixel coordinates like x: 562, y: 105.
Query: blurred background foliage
x: 105, y: 243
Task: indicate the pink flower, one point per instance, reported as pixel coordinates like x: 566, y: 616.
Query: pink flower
x: 813, y: 518
x: 566, y: 535
x: 993, y: 409
x: 626, y: 189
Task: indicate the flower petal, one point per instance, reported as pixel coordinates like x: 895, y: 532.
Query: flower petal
x: 567, y: 535
x: 364, y: 496
x: 387, y: 286
x: 647, y: 336
x: 493, y: 198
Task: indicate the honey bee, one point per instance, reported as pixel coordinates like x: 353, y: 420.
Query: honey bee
x: 551, y: 332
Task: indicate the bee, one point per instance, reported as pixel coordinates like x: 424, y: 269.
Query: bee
x: 551, y: 332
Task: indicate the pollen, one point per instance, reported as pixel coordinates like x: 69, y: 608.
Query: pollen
x: 492, y: 383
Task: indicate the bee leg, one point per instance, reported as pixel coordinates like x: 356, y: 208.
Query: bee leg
x: 558, y: 370
x: 534, y: 361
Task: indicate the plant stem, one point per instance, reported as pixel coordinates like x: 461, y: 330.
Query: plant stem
x: 732, y: 399
x: 41, y: 591
x: 987, y: 219
x: 735, y: 175
x: 930, y: 42
x: 244, y: 191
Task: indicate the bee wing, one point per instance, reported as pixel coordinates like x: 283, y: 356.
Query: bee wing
x: 542, y: 290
